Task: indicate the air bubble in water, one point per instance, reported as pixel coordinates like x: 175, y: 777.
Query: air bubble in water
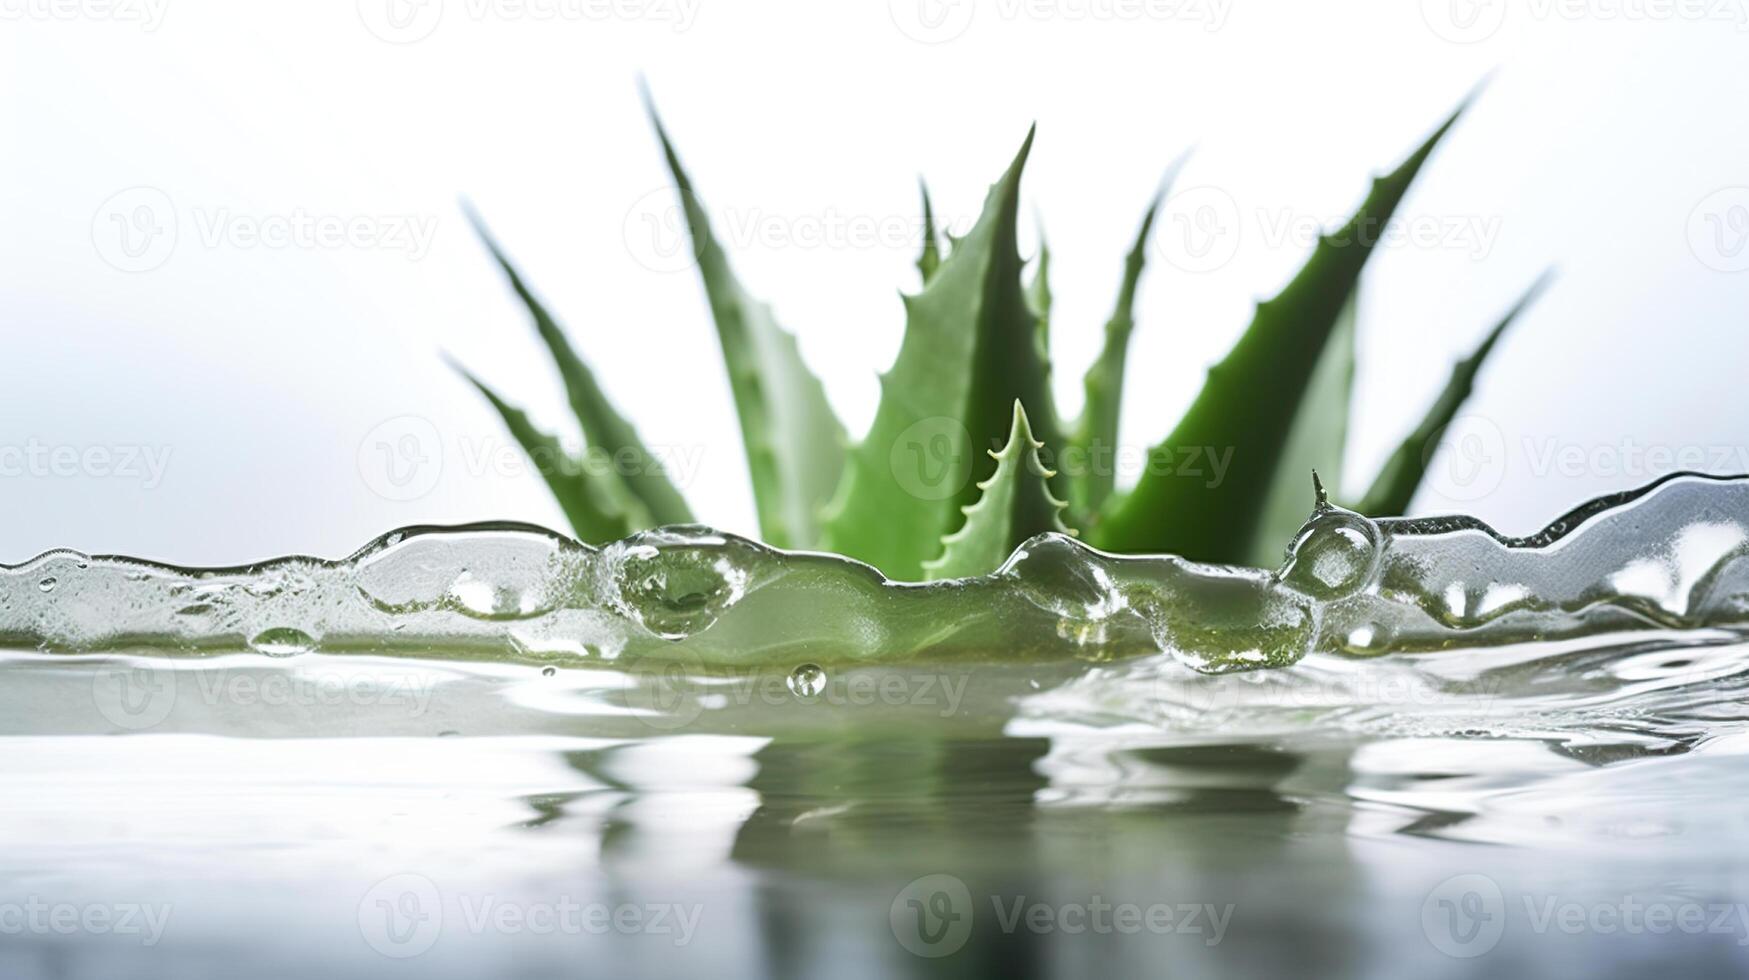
x: 1214, y: 625
x: 483, y: 599
x: 1368, y: 639
x: 677, y: 581
x: 807, y: 681
x: 282, y: 641
x: 1334, y: 555
x: 1068, y: 579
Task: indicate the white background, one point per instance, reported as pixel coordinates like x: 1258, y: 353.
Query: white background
x: 1611, y: 142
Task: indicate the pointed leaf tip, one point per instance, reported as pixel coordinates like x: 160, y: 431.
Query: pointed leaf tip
x: 1280, y: 352
x: 1025, y: 150
x: 1395, y: 486
x: 794, y: 443
x: 971, y: 344
x: 929, y: 260
x: 1014, y: 504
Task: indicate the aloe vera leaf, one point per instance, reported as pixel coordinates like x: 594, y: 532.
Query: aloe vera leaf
x: 1315, y: 444
x: 794, y: 443
x: 1014, y: 504
x: 969, y: 351
x: 594, y: 516
x: 1203, y: 493
x: 930, y: 259
x: 1097, y: 430
x: 640, y: 473
x: 1038, y: 292
x: 1039, y: 299
x: 1403, y: 472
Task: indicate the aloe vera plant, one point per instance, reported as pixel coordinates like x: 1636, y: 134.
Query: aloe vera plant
x: 958, y: 467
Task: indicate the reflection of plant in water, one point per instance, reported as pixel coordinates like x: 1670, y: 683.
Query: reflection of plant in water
x: 917, y: 497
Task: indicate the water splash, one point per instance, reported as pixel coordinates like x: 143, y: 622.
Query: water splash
x: 1665, y: 557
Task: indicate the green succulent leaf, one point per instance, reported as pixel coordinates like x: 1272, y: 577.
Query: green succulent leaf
x: 1315, y: 444
x: 642, y: 475
x: 1015, y: 504
x: 1246, y: 408
x: 590, y: 506
x: 794, y: 442
x: 970, y: 350
x: 1097, y: 430
x: 1038, y: 292
x: 1039, y: 299
x: 1403, y: 472
x: 930, y: 260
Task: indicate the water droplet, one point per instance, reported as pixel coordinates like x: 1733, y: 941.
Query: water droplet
x: 282, y: 641
x: 47, y: 584
x: 1219, y: 624
x: 807, y: 681
x: 677, y: 581
x: 1368, y: 639
x: 548, y: 671
x: 1334, y: 556
x: 1063, y: 576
